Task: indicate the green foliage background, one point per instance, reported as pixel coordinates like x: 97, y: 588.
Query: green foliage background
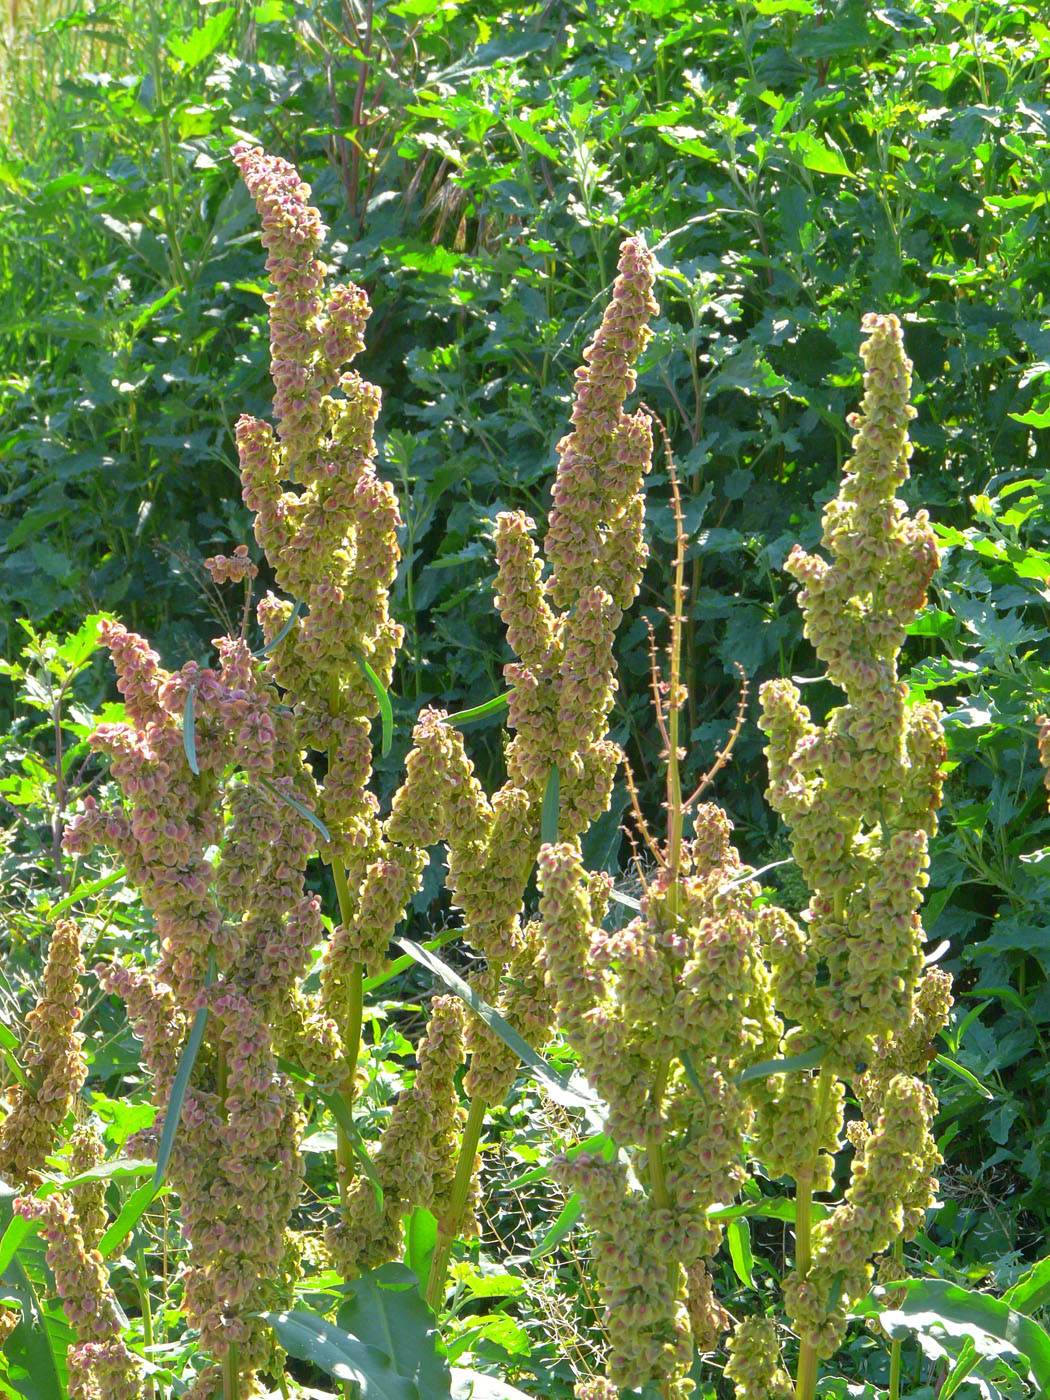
x: 794, y: 163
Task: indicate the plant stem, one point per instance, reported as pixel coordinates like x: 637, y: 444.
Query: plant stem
x: 142, y: 1280
x: 806, y: 1378
x: 231, y: 1374
x: 450, y: 1222
x: 895, y: 1348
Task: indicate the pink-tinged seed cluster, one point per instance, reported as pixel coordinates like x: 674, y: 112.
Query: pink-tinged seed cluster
x: 100, y: 1365
x: 890, y: 1173
x: 332, y: 542
x: 55, y: 1068
x: 562, y: 627
x: 416, y: 1160
x: 234, y: 568
x: 241, y: 916
x: 665, y: 1015
x: 754, y: 1364
x: 860, y: 793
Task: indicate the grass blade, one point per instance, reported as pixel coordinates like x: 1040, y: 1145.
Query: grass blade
x: 955, y: 1068
x: 293, y: 618
x: 305, y: 812
x: 181, y: 1083
x: 763, y: 1070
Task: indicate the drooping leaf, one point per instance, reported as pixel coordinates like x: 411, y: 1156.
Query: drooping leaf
x: 738, y: 1237
x: 936, y: 1303
x: 386, y: 710
x: 311, y: 1337
x: 129, y: 1215
x: 810, y: 1060
x: 293, y: 618
x: 337, y: 1107
x: 558, y: 1088
x: 314, y: 820
x: 189, y: 737
x: 963, y: 1073
x: 181, y: 1083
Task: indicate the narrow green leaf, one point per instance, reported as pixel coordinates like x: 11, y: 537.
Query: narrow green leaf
x: 386, y: 710
x: 337, y: 1107
x: 310, y: 1337
x: 490, y: 707
x: 968, y: 1358
x: 119, y: 1169
x: 83, y: 892
x: 558, y: 1088
x: 738, y: 1237
x: 765, y: 1068
x: 292, y: 619
x: 181, y: 1083
x: 964, y: 1073
x: 549, y: 813
x: 596, y: 1143
x: 294, y: 802
x: 401, y: 964
x: 769, y: 1208
x: 567, y: 1218
x: 189, y: 738
x: 16, y: 1231
x: 132, y: 1211
x: 12, y: 1064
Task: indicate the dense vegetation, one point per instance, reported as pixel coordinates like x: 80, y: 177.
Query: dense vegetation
x: 792, y: 165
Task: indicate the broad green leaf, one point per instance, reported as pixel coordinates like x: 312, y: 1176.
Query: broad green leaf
x: 385, y: 1311
x: 476, y: 1385
x: 557, y: 1088
x: 35, y: 1350
x: 932, y: 1303
x: 420, y: 1239
x: 193, y: 48
x: 1032, y: 1289
x: 313, y: 1338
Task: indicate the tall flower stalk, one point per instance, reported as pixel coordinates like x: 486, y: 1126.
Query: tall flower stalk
x: 860, y: 795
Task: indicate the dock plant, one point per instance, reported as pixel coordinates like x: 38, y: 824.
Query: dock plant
x: 718, y: 1031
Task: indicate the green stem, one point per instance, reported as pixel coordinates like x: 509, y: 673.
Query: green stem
x: 895, y: 1349
x: 231, y: 1374
x: 452, y: 1219
x: 145, y: 1307
x: 806, y: 1378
